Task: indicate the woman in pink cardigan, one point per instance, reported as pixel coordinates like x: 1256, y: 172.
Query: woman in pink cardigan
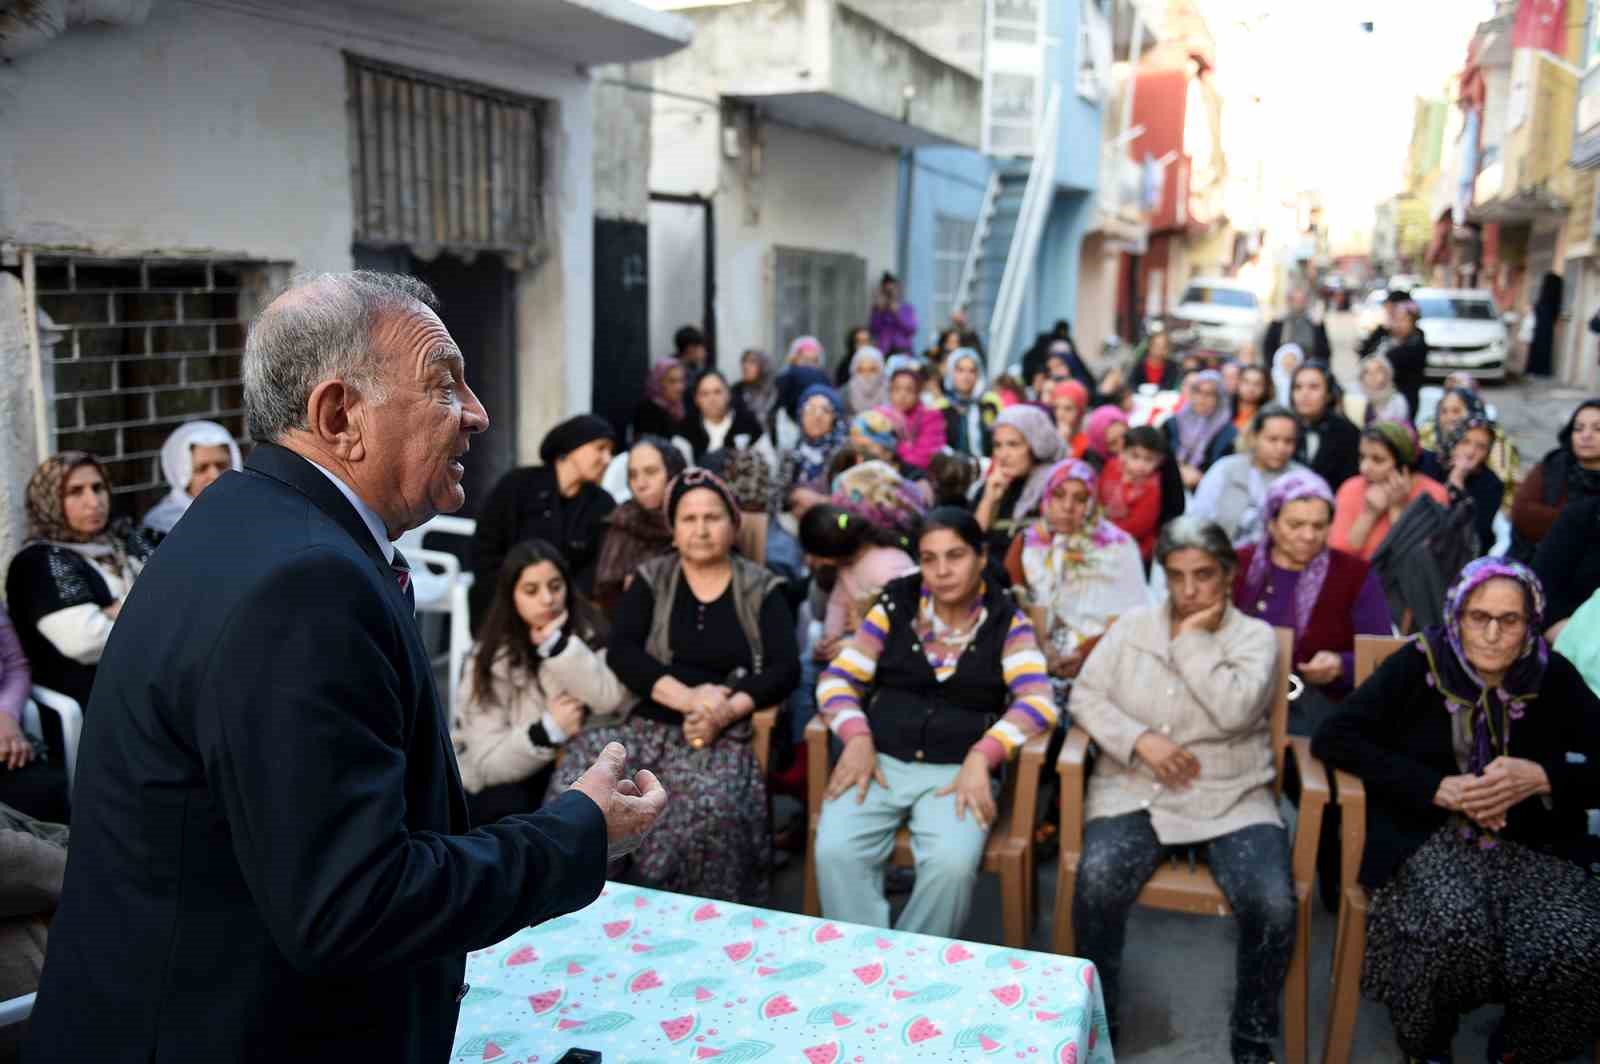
x: 925, y: 426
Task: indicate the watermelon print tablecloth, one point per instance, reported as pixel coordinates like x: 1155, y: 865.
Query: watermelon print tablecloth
x: 647, y: 977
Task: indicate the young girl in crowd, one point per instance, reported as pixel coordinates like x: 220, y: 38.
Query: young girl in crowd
x: 1070, y: 400
x: 925, y: 425
x: 1130, y: 487
x: 1254, y: 392
x: 535, y: 678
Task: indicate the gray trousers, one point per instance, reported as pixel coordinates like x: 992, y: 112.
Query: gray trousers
x: 854, y: 843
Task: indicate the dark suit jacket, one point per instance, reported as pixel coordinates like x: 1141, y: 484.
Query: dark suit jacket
x: 270, y: 852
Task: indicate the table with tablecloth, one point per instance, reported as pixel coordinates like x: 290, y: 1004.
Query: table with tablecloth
x: 647, y: 977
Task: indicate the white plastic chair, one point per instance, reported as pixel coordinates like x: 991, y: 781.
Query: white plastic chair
x: 71, y: 715
x: 15, y: 1010
x: 441, y: 586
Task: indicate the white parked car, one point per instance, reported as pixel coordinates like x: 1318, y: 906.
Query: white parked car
x: 1223, y: 314
x: 1464, y: 330
x: 1372, y: 312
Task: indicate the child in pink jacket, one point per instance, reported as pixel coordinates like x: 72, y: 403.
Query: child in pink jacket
x: 925, y: 428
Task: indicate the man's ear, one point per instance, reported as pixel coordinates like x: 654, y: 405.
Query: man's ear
x: 333, y: 418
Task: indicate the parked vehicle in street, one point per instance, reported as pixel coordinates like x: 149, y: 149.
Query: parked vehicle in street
x: 1372, y: 311
x: 1464, y: 331
x: 1222, y: 314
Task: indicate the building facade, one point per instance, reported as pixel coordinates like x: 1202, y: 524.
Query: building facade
x: 164, y: 175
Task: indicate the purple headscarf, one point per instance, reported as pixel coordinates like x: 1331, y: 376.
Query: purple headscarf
x: 1458, y: 683
x: 653, y: 387
x: 1291, y: 487
x: 1195, y: 432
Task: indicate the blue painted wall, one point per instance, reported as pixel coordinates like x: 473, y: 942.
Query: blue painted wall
x: 951, y: 181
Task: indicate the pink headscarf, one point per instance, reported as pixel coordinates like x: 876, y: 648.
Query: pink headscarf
x: 1099, y: 425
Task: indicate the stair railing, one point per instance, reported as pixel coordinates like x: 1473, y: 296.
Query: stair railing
x: 1031, y: 218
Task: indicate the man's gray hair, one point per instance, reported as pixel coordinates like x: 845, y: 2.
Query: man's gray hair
x: 324, y: 334
x: 1193, y: 533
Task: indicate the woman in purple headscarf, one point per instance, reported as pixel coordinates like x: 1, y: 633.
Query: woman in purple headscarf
x: 1476, y: 848
x: 1202, y: 431
x: 662, y: 413
x: 1293, y: 579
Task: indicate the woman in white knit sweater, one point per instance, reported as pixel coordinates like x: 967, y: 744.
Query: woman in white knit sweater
x: 536, y: 677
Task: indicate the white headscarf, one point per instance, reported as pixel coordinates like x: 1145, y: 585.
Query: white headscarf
x: 1283, y: 375
x: 177, y: 465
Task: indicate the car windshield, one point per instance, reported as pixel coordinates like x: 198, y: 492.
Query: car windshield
x: 1223, y: 297
x: 1464, y: 309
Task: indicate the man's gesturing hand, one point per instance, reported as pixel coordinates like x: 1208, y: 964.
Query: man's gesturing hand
x: 631, y: 806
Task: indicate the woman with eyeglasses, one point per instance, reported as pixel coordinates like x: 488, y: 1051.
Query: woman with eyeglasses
x: 1477, y: 849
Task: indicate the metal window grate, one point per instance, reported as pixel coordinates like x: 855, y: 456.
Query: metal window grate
x: 819, y: 293
x: 952, y: 237
x: 137, y: 347
x: 438, y: 163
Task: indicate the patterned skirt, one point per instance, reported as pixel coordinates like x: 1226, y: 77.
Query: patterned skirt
x: 715, y: 838
x: 1460, y: 926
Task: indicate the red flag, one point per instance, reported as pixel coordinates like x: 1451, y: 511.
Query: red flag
x: 1541, y: 24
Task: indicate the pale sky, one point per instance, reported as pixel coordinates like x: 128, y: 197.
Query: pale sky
x: 1336, y: 106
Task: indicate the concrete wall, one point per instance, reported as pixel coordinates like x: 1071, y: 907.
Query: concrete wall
x: 211, y: 130
x: 949, y: 29
x: 814, y: 193
x: 939, y: 181
x: 622, y: 114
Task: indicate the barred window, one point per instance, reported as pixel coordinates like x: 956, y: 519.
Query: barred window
x: 819, y: 293
x: 952, y: 239
x: 443, y: 163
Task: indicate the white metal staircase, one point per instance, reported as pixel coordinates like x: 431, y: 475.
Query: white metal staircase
x: 1005, y: 242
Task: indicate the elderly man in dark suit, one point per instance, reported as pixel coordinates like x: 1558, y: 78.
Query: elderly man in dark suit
x: 271, y: 858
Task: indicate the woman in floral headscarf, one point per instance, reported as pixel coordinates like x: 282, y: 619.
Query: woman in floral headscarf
x: 1461, y: 464
x: 1295, y: 580
x: 1476, y: 833
x: 1080, y: 571
x: 867, y: 387
x: 1459, y: 402
x: 802, y: 471
x: 66, y: 585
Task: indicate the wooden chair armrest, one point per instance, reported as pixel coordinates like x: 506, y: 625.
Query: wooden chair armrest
x: 1314, y: 796
x: 816, y: 736
x: 1071, y: 766
x: 1352, y: 797
x: 1030, y: 766
x: 762, y: 722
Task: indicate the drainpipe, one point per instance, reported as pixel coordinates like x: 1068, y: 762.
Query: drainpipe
x: 28, y: 25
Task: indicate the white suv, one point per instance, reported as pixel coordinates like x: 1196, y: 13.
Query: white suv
x: 1224, y: 314
x: 1464, y: 331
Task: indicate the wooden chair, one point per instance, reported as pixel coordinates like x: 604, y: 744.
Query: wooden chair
x: 762, y: 722
x: 1350, y: 940
x: 1181, y: 888
x: 1008, y: 853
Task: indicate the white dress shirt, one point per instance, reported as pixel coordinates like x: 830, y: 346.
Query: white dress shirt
x: 373, y: 521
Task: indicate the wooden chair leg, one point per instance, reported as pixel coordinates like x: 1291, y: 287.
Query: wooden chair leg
x: 1349, y: 949
x: 1297, y: 987
x: 812, y: 905
x: 1061, y: 937
x: 1013, y: 902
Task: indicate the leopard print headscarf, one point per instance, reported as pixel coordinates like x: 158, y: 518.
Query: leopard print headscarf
x: 47, y: 510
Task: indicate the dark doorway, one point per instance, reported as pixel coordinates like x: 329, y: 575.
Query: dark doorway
x: 621, y: 320
x: 477, y: 302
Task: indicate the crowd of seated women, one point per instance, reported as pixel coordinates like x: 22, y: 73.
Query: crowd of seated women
x: 950, y: 566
